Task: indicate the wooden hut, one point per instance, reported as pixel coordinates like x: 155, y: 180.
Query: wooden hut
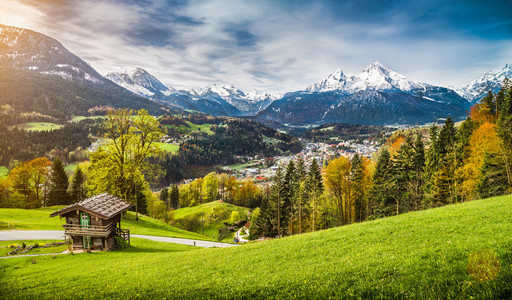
x: 94, y: 223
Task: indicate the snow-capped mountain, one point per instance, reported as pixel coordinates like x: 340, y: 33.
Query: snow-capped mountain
x: 491, y: 81
x: 61, y: 83
x: 375, y: 76
x: 249, y: 104
x: 29, y: 50
x: 377, y: 96
x: 140, y: 82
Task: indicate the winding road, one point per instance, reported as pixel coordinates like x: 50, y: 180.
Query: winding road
x: 18, y: 235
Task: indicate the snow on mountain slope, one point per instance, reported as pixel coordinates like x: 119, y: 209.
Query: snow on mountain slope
x: 29, y: 50
x: 140, y: 82
x: 250, y: 103
x: 375, y: 76
x: 491, y: 81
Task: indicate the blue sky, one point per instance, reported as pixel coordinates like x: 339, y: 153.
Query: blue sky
x: 276, y: 45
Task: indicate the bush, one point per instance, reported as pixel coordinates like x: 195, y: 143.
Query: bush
x: 121, y: 243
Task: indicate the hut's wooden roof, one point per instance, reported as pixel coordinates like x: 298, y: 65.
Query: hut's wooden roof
x: 104, y: 206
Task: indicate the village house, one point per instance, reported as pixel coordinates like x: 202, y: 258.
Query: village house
x: 94, y: 223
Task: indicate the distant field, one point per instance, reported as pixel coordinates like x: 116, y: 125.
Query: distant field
x: 70, y: 168
x: 173, y: 148
x: 38, y: 126
x: 194, y: 128
x: 76, y: 119
x: 39, y: 219
x: 3, y: 171
x: 461, y: 251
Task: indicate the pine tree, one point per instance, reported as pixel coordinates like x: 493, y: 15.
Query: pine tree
x: 164, y: 196
x: 264, y: 223
x: 381, y: 191
x: 315, y: 187
x: 494, y: 181
x: 58, y: 193
x: 77, y: 189
x: 276, y: 203
x: 418, y: 165
x: 402, y: 173
x: 174, y: 197
x: 288, y: 198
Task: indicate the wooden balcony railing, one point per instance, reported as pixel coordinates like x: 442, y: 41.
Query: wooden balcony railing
x: 91, y: 230
x: 96, y: 231
x: 124, y: 233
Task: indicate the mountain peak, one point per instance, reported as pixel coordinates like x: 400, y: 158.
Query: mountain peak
x: 376, y: 76
x: 492, y: 80
x: 140, y: 82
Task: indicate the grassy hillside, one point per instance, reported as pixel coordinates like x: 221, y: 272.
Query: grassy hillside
x: 3, y: 171
x: 419, y: 255
x: 214, y: 215
x: 39, y: 219
x: 38, y: 126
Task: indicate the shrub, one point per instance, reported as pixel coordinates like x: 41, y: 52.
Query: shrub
x: 121, y: 243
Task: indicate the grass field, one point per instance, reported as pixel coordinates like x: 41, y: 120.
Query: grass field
x: 39, y: 219
x: 212, y: 226
x: 38, y: 126
x: 77, y: 119
x: 194, y: 128
x: 455, y: 252
x: 173, y: 148
x: 3, y: 171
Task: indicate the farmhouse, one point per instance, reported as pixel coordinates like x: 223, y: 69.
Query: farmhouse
x: 94, y: 223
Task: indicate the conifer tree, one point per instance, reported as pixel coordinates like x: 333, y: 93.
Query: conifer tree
x: 288, y: 198
x: 58, y: 193
x: 418, y: 165
x: 77, y: 189
x: 276, y: 203
x: 164, y: 196
x: 445, y: 189
x: 174, y: 197
x: 381, y: 191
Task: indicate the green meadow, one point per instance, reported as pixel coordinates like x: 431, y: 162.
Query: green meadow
x: 38, y: 126
x: 3, y: 171
x: 461, y: 251
x: 167, y: 147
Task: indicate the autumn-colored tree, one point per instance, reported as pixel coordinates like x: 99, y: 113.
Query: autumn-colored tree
x: 484, y: 141
x: 210, y: 188
x: 337, y: 181
x: 28, y: 180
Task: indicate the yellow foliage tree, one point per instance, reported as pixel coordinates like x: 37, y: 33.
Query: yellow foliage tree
x: 337, y: 181
x: 484, y: 140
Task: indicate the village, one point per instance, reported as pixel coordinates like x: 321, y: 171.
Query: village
x: 263, y: 169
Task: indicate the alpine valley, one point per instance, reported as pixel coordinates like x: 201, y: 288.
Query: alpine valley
x: 39, y: 73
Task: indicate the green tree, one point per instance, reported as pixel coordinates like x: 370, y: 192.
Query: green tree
x: 58, y: 193
x: 77, y: 188
x: 174, y: 197
x: 234, y: 217
x: 164, y: 196
x: 382, y: 189
x: 131, y: 139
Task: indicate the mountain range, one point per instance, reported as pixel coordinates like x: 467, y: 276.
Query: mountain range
x: 39, y: 73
